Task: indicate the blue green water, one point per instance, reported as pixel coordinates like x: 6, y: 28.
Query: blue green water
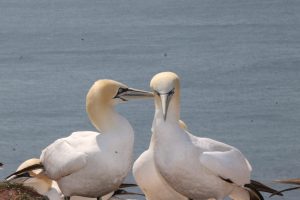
x: 239, y: 62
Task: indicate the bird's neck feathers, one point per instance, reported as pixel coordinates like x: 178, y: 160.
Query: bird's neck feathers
x: 41, y: 183
x: 102, y: 114
x: 175, y: 106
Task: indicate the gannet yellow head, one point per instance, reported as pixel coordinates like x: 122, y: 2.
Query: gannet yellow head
x: 111, y: 92
x: 166, y: 88
x: 40, y: 182
x: 104, y: 94
x: 28, y: 163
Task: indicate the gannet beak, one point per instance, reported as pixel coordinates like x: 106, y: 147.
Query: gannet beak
x: 132, y: 93
x: 165, y: 100
x: 20, y: 178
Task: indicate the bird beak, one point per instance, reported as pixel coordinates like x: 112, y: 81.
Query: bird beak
x: 165, y: 100
x: 20, y: 178
x: 132, y: 93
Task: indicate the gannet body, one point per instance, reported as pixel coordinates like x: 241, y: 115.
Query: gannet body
x: 93, y: 164
x: 44, y: 185
x: 198, y: 168
x: 148, y: 178
x: 91, y: 150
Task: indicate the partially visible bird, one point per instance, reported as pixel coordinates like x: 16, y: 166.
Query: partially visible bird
x: 37, y: 180
x: 93, y: 164
x: 47, y: 187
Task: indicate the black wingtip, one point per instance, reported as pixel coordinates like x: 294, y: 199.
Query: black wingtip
x: 285, y: 190
x: 253, y: 192
x: 127, y: 185
x: 124, y: 192
x: 264, y: 188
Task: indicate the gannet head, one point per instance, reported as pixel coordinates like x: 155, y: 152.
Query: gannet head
x: 111, y: 92
x: 165, y: 86
x: 104, y: 94
x: 40, y: 182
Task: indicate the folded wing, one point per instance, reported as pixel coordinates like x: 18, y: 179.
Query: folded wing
x: 62, y: 159
x: 230, y: 165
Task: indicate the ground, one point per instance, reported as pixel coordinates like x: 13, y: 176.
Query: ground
x: 9, y: 191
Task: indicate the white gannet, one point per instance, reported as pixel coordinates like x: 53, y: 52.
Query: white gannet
x: 149, y: 180
x: 198, y: 168
x: 93, y: 164
x: 47, y: 187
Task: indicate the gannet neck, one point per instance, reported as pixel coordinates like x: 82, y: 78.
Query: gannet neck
x: 40, y: 183
x: 102, y: 116
x: 100, y: 105
x: 152, y: 141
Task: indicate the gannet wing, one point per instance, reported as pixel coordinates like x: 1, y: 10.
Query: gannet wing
x: 229, y: 165
x: 62, y: 159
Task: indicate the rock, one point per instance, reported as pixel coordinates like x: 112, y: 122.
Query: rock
x: 10, y: 191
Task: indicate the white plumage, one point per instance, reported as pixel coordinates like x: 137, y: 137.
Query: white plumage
x: 93, y: 164
x: 198, y: 168
x: 149, y: 180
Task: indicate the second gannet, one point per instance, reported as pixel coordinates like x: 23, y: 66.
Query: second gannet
x: 93, y: 164
x: 47, y: 187
x: 198, y: 168
x: 37, y: 180
x: 148, y: 178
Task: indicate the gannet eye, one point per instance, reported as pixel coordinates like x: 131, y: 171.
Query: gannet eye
x: 171, y: 92
x: 121, y: 90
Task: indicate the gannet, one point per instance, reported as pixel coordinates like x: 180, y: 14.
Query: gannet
x: 93, y: 164
x: 37, y: 180
x: 149, y: 180
x: 198, y: 168
x: 295, y: 181
x: 47, y: 187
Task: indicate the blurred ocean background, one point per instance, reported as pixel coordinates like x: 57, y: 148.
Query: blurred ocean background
x: 239, y: 62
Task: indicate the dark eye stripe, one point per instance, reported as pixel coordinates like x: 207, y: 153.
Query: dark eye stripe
x: 169, y: 93
x: 172, y: 92
x: 121, y: 90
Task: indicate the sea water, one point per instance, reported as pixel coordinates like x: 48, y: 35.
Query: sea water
x: 239, y: 64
